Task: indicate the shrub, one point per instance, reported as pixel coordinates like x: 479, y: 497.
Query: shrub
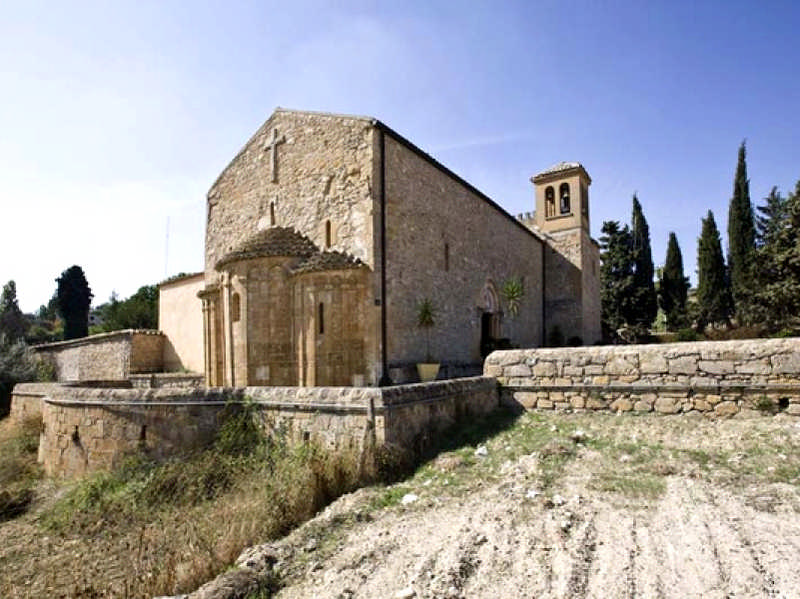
x: 687, y: 334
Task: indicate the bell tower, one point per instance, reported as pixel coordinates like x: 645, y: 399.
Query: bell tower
x: 562, y: 197
x: 572, y: 257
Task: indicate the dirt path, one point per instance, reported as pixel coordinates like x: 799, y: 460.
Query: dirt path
x: 716, y: 527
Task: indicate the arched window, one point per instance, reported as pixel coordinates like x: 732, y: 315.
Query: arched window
x: 236, y: 310
x: 563, y: 195
x: 327, y: 234
x: 549, y: 201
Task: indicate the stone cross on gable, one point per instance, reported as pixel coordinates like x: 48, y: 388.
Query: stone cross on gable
x: 272, y: 146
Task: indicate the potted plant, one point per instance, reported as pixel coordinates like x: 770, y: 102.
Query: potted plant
x: 426, y: 319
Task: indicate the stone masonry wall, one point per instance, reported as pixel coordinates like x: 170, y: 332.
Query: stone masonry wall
x: 105, y: 357
x: 26, y: 399
x: 93, y: 429
x: 714, y: 378
x: 324, y: 172
x: 428, y: 209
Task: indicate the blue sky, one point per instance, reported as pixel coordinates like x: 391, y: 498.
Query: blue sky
x: 116, y: 117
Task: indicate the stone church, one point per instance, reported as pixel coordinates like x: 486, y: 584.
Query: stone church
x: 324, y: 234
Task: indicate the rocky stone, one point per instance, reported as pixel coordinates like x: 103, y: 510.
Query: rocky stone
x: 643, y: 406
x: 623, y: 404
x: 652, y: 363
x: 624, y: 364
x: 667, y: 405
x: 726, y: 408
x: 544, y: 369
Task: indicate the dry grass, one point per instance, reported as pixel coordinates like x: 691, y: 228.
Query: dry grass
x: 165, y: 528
x: 19, y: 472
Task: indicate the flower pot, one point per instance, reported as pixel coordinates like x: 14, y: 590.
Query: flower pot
x: 427, y: 371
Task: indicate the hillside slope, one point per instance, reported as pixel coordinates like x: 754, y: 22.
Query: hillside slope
x: 564, y: 505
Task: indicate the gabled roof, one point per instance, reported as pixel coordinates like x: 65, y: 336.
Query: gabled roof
x: 275, y: 241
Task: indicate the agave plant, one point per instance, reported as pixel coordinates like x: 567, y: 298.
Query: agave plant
x: 513, y: 292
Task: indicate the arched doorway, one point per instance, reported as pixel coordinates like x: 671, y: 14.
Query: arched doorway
x: 490, y: 318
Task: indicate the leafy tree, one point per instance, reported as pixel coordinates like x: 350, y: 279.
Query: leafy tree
x: 673, y: 286
x: 644, y: 287
x: 741, y: 241
x: 13, y: 323
x: 74, y: 300
x: 778, y: 257
x: 713, y: 291
x: 17, y: 365
x: 616, y: 278
x: 139, y: 311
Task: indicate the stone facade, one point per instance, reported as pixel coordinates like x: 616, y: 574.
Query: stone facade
x: 26, y: 399
x: 180, y: 318
x: 715, y: 378
x: 381, y: 225
x: 105, y: 357
x: 85, y: 429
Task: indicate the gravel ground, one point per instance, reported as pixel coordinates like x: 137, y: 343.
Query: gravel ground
x: 648, y: 506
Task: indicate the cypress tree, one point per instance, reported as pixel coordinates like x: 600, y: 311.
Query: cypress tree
x: 713, y: 291
x: 616, y: 278
x: 673, y: 286
x: 12, y: 321
x: 644, y: 287
x: 74, y: 300
x: 741, y: 241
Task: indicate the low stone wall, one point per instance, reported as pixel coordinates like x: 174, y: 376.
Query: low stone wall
x: 105, y: 357
x: 88, y: 429
x: 26, y: 399
x: 167, y: 380
x: 715, y: 378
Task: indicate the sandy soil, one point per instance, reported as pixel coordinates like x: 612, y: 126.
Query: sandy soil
x: 722, y: 523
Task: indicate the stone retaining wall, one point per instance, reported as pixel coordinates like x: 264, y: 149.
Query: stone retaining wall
x: 715, y: 378
x: 88, y: 429
x: 105, y: 357
x: 26, y: 399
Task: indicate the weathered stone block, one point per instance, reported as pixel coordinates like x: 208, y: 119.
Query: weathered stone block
x: 596, y: 403
x: 578, y: 402
x: 726, y: 408
x: 716, y: 366
x: 754, y: 367
x: 622, y: 404
x: 667, y: 405
x: 652, y: 363
x: 621, y: 365
x: 683, y: 365
x: 643, y: 406
x: 545, y: 404
x: 786, y: 364
x: 544, y: 369
x: 517, y: 370
x: 526, y: 399
x: 701, y: 404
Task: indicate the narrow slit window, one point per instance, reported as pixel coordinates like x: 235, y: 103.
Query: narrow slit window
x: 327, y: 234
x: 236, y: 311
x: 447, y: 256
x: 321, y: 318
x: 272, y: 213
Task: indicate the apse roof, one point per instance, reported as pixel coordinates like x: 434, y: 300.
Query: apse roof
x: 329, y: 260
x: 275, y: 241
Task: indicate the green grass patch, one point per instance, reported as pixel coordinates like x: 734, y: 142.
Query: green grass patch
x: 633, y: 484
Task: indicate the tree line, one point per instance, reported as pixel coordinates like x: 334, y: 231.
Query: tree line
x: 756, y: 290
